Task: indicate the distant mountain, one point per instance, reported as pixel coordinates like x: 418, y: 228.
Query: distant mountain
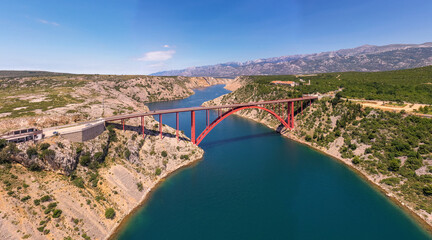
x: 366, y: 58
x: 18, y: 73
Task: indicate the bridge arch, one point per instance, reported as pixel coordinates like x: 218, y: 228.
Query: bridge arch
x: 232, y: 111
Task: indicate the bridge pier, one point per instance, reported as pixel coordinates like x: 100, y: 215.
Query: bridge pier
x: 160, y: 125
x: 177, y: 126
x: 193, y: 127
x: 292, y: 115
x: 142, y: 126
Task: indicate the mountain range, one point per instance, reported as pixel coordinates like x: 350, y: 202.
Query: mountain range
x: 366, y: 58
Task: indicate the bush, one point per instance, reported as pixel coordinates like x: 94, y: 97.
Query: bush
x: 158, y: 171
x: 34, y: 167
x: 394, y: 165
x: 109, y: 213
x: 3, y: 143
x: 85, y: 159
x: 56, y: 213
x: 36, y: 202
x: 45, y: 198
x: 52, y: 205
x: 79, y: 182
x: 112, y: 136
x: 427, y: 190
x: 414, y: 163
x: 356, y: 160
x: 308, y: 138
x: 25, y: 198
x: 392, y: 181
x: 164, y: 153
x: 127, y: 154
x: 184, y: 157
x: 32, y: 151
x: 48, y: 154
x: 44, y: 146
x: 98, y: 156
x: 140, y: 186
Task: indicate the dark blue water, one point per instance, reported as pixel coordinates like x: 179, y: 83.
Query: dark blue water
x: 255, y: 184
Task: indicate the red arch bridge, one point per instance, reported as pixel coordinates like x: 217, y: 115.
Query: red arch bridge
x: 284, y: 110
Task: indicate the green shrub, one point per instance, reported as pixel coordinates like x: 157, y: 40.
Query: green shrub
x: 394, y: 165
x: 45, y: 198
x: 158, y: 171
x: 34, y: 167
x: 140, y: 186
x: 56, y: 213
x: 392, y: 181
x: 48, y: 154
x: 427, y: 190
x: 44, y: 146
x: 3, y: 144
x: 52, y: 205
x: 98, y: 156
x: 164, y: 153
x: 127, y: 154
x: 356, y: 160
x: 79, y: 182
x: 36, y: 202
x: 85, y: 159
x: 32, y: 151
x: 109, y: 213
x: 25, y: 198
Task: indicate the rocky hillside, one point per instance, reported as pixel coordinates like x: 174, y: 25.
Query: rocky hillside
x: 56, y: 100
x: 365, y: 58
x: 100, y: 182
x: 392, y: 150
x: 57, y: 189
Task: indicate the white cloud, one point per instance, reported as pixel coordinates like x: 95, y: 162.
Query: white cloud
x: 48, y: 22
x: 166, y: 46
x: 157, y: 56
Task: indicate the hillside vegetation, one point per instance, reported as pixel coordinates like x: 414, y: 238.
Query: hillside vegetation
x: 410, y: 85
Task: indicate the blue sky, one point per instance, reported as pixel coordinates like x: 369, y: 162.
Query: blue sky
x: 142, y: 37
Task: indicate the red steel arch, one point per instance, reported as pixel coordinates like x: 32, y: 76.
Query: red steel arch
x: 225, y: 115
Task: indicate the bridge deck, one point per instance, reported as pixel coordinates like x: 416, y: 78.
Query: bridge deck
x: 166, y: 111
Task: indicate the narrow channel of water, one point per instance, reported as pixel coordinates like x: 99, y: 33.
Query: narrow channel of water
x: 254, y: 184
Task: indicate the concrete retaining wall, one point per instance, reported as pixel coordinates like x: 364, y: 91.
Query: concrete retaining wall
x: 85, y: 134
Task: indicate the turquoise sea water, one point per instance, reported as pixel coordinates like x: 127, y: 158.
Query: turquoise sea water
x: 254, y: 184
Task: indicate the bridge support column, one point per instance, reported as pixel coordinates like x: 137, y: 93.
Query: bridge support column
x: 288, y: 114
x: 292, y: 115
x: 207, y: 118
x: 301, y: 106
x: 160, y: 125
x: 193, y: 127
x: 123, y: 123
x: 142, y: 126
x: 177, y: 126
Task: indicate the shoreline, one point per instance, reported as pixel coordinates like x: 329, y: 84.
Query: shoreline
x: 406, y: 210
x: 415, y: 217
x: 114, y: 233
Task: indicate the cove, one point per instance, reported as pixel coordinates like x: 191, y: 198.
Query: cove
x: 255, y: 184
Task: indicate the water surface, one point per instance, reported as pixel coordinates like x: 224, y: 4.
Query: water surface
x: 254, y: 184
